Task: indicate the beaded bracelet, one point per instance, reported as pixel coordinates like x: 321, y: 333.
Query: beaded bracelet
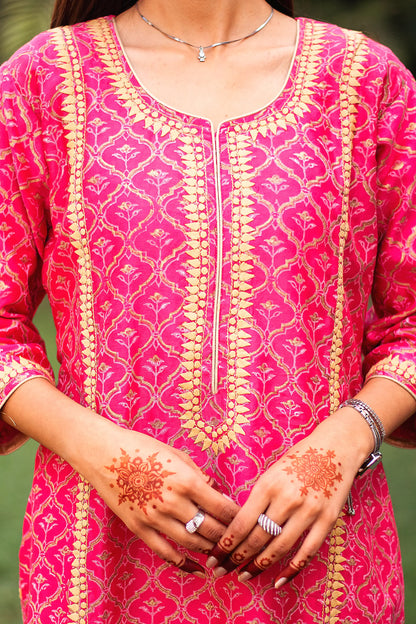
x: 376, y: 427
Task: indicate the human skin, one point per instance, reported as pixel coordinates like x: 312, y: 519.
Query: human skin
x: 345, y: 434
x: 286, y: 492
x: 98, y: 449
x: 95, y: 447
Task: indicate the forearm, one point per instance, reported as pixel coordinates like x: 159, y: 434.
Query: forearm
x: 390, y: 401
x: 45, y: 414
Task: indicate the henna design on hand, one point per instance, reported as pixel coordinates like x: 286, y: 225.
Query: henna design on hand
x: 315, y: 471
x: 266, y: 562
x: 228, y: 542
x: 239, y: 557
x: 139, y: 481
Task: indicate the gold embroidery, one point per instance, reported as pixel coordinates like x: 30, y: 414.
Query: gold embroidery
x: 218, y: 438
x: 194, y: 204
x: 20, y: 367
x: 395, y: 367
x: 335, y: 587
x: 305, y: 83
x: 352, y: 71
x: 74, y: 107
x: 241, y: 276
x: 108, y: 51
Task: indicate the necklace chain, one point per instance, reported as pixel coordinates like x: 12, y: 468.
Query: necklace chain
x: 201, y: 49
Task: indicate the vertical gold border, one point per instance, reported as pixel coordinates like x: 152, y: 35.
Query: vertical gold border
x: 353, y: 69
x: 242, y: 235
x: 74, y: 117
x: 218, y: 438
x: 335, y: 591
x: 196, y: 232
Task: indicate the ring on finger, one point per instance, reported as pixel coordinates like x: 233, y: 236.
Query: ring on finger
x: 194, y: 523
x: 270, y: 526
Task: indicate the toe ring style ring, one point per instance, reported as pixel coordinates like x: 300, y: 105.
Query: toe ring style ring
x: 194, y: 523
x: 270, y: 526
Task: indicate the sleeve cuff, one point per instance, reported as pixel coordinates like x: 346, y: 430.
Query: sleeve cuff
x: 402, y: 373
x: 13, y: 376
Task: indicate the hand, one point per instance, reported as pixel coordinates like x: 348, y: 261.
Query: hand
x: 156, y: 489
x: 304, y: 491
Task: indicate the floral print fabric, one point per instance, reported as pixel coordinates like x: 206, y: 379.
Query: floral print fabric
x: 209, y: 289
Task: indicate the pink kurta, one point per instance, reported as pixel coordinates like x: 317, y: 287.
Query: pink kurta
x: 209, y: 289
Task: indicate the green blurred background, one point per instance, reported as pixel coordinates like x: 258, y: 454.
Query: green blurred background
x: 392, y: 23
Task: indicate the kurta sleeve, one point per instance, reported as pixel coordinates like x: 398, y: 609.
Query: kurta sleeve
x: 390, y: 340
x: 23, y: 235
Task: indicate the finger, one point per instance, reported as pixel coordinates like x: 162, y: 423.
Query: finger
x: 162, y: 520
x: 255, y: 542
x: 305, y: 554
x: 210, y: 528
x: 278, y: 548
x: 168, y: 553
x: 215, y: 503
x: 243, y: 525
x: 175, y: 530
x: 182, y: 505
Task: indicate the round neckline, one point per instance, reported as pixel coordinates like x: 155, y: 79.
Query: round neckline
x: 138, y: 85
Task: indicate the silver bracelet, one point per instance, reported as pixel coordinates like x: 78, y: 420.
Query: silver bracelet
x: 376, y: 427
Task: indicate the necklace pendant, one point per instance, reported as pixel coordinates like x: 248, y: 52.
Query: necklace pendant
x: 201, y: 55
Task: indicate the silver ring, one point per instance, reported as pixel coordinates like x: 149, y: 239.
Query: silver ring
x: 193, y: 525
x: 270, y: 526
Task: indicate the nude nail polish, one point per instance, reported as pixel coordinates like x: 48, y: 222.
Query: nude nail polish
x: 212, y: 562
x: 280, y: 582
x: 245, y: 576
x: 218, y: 572
x: 219, y: 554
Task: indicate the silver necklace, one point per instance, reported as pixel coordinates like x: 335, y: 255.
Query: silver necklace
x: 201, y: 49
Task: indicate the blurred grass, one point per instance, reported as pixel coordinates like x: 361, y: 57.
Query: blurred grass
x: 16, y: 472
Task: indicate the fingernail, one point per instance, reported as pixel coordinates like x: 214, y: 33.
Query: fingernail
x: 218, y: 572
x: 280, y: 582
x: 286, y: 575
x: 219, y: 553
x: 192, y: 567
x: 252, y: 569
x: 245, y: 576
x: 212, y: 562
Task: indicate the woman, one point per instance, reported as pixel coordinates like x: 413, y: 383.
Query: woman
x: 208, y: 222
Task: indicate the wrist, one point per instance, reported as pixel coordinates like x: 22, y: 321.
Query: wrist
x: 350, y: 430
